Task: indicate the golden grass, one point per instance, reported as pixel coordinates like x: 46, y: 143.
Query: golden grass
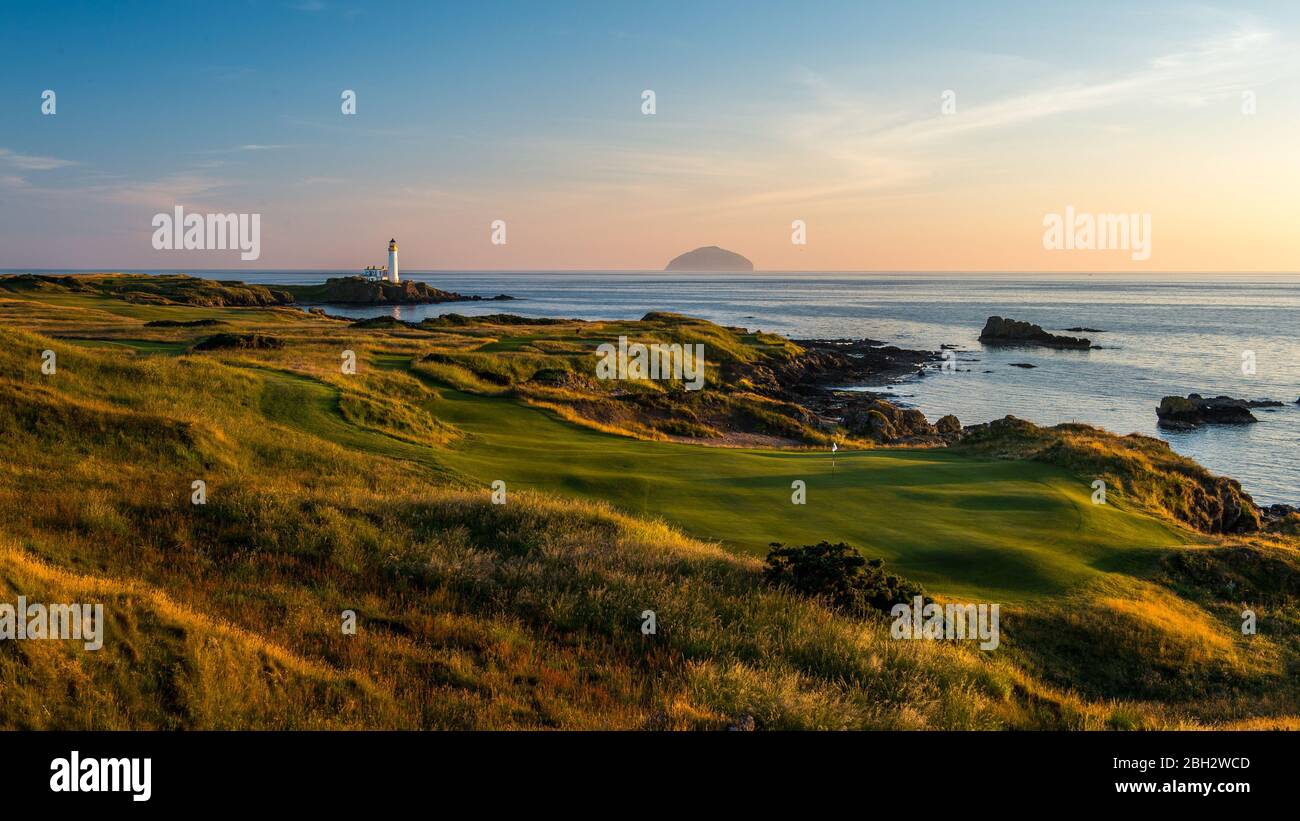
x: 474, y: 615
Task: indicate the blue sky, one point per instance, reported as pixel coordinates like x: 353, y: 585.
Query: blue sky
x: 529, y: 112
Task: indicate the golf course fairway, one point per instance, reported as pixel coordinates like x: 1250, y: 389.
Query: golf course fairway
x: 991, y: 529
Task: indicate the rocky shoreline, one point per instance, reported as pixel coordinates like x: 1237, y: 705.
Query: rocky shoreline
x: 817, y: 381
x: 356, y: 290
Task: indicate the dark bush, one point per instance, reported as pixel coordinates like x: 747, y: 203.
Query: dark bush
x: 252, y: 341
x: 840, y: 575
x: 182, y: 323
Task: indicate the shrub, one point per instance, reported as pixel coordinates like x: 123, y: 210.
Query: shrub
x: 840, y: 575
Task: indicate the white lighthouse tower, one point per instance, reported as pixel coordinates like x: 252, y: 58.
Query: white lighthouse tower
x: 392, y: 261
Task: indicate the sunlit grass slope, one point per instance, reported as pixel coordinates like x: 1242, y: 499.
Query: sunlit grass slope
x: 369, y: 492
x: 983, y: 527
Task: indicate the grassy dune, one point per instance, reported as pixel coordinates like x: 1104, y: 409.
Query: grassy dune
x: 369, y: 492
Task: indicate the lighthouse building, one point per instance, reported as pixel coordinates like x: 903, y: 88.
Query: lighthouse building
x: 385, y: 273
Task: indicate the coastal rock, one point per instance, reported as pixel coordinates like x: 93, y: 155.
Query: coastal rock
x: 1282, y: 519
x: 948, y: 425
x: 710, y: 259
x: 360, y: 290
x: 826, y: 362
x: 882, y: 421
x: 1177, y: 413
x: 384, y: 322
x: 999, y: 331
x: 1272, y: 513
x: 356, y: 290
x: 320, y: 312
x: 1008, y: 427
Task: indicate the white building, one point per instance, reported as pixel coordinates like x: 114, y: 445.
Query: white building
x: 386, y: 273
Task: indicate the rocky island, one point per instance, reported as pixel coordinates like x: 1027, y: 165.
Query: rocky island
x: 999, y: 331
x: 1194, y: 411
x: 710, y: 259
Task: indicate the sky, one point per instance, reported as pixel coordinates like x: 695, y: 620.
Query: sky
x: 924, y: 136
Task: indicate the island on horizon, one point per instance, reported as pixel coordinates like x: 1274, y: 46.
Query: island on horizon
x: 710, y: 259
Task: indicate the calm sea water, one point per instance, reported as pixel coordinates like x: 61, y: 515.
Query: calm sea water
x: 1160, y: 337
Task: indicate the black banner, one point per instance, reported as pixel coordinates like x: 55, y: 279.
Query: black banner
x: 551, y: 771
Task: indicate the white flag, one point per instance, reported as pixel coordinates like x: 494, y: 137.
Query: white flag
x: 834, y: 447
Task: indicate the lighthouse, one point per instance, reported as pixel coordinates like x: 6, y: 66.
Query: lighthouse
x: 392, y: 261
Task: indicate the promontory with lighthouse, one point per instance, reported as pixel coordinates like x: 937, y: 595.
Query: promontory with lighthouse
x: 378, y: 285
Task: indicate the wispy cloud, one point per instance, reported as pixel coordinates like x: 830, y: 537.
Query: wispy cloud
x: 878, y: 147
x: 30, y: 162
x: 1220, y: 66
x: 159, y: 192
x: 248, y: 147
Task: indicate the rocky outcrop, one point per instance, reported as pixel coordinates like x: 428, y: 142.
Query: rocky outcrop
x: 1282, y: 519
x: 1194, y: 411
x: 384, y: 322
x: 999, y: 331
x: 948, y: 426
x: 362, y: 291
x: 882, y: 421
x: 843, y: 362
x: 710, y: 259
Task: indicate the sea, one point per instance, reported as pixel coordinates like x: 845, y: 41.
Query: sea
x: 1234, y: 335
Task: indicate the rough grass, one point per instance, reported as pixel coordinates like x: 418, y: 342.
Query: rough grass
x: 1143, y: 470
x: 528, y: 614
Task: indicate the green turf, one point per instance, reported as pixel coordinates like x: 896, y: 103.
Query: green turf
x: 995, y: 530
x: 141, y: 345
